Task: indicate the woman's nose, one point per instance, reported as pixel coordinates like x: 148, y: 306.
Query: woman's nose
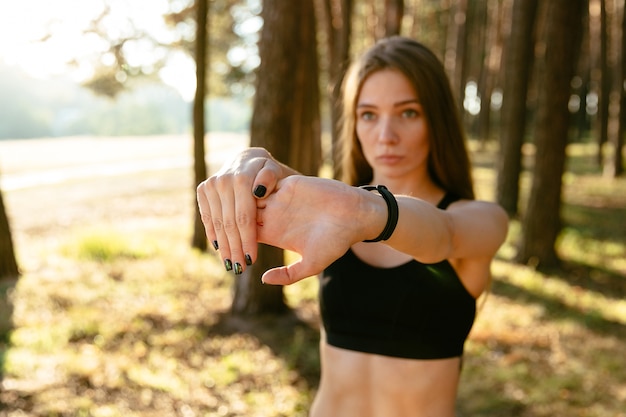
x: 387, y: 132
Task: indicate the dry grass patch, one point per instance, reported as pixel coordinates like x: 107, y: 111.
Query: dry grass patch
x: 116, y: 316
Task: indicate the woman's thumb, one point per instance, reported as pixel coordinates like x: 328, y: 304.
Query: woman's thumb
x: 266, y: 179
x: 286, y: 275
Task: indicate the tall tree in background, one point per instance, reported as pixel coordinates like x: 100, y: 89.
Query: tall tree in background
x: 305, y: 151
x: 454, y: 59
x: 490, y: 64
x: 285, y: 121
x: 605, y: 84
x: 616, y: 166
x: 518, y: 57
x: 199, y: 240
x: 394, y: 11
x: 8, y: 263
x: 613, y: 160
x: 9, y: 273
x: 542, y: 224
x: 335, y: 17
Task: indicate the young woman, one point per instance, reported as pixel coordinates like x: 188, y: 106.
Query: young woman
x: 401, y: 261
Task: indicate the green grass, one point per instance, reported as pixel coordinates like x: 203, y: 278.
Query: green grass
x: 106, y: 246
x: 124, y: 319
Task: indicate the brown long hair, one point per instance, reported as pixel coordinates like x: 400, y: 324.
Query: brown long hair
x: 448, y: 160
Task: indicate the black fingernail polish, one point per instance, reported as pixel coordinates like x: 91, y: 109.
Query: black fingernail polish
x: 228, y: 264
x: 238, y: 268
x: 248, y: 259
x: 215, y: 245
x: 260, y: 190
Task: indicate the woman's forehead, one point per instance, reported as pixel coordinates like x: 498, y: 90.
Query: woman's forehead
x: 387, y: 84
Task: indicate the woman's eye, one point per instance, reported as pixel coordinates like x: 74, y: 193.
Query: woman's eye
x: 367, y: 115
x: 410, y: 113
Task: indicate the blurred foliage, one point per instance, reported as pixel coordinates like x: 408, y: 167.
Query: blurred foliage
x: 233, y: 26
x: 228, y: 38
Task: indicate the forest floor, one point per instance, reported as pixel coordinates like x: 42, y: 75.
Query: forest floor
x: 115, y: 315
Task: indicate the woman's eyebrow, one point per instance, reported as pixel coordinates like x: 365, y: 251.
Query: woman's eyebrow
x: 397, y: 104
x: 409, y: 101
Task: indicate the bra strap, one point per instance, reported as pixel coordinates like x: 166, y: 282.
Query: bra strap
x: 447, y: 199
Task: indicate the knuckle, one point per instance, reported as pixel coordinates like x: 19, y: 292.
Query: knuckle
x: 216, y: 183
x: 218, y: 224
x: 212, y: 183
x: 208, y: 183
x: 206, y: 218
x: 241, y: 180
x: 229, y: 225
x: 243, y: 219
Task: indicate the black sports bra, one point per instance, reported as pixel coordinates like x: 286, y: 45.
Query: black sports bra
x: 414, y: 310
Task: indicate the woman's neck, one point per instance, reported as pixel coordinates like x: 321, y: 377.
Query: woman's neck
x: 422, y: 188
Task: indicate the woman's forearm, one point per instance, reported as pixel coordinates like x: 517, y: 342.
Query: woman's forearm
x: 422, y: 230
x: 469, y: 229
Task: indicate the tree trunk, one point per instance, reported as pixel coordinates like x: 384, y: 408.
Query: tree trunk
x: 490, y: 68
x: 8, y: 263
x: 454, y: 60
x: 581, y: 87
x: 9, y: 273
x: 199, y: 240
x: 285, y: 121
x: 518, y: 57
x: 541, y: 224
x: 336, y: 18
x: 605, y: 85
x: 394, y: 11
x: 305, y: 149
x: 618, y: 162
x: 251, y: 297
x: 615, y: 165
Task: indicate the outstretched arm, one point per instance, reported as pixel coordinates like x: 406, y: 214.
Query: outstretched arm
x: 227, y: 203
x: 320, y: 219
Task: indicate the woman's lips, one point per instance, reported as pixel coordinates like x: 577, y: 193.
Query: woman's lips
x: 388, y: 159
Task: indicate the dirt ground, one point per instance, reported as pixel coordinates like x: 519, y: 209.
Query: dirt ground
x: 148, y: 337
x: 89, y: 172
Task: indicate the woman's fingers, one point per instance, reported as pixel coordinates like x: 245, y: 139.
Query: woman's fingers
x: 239, y: 216
x: 228, y: 207
x: 228, y: 203
x: 205, y: 214
x: 224, y: 219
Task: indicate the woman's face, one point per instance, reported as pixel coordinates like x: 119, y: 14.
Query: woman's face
x: 391, y: 127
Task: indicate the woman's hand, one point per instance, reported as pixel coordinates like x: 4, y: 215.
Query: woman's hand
x: 317, y: 218
x: 228, y: 206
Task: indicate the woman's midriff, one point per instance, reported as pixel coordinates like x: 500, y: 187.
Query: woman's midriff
x: 355, y: 384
